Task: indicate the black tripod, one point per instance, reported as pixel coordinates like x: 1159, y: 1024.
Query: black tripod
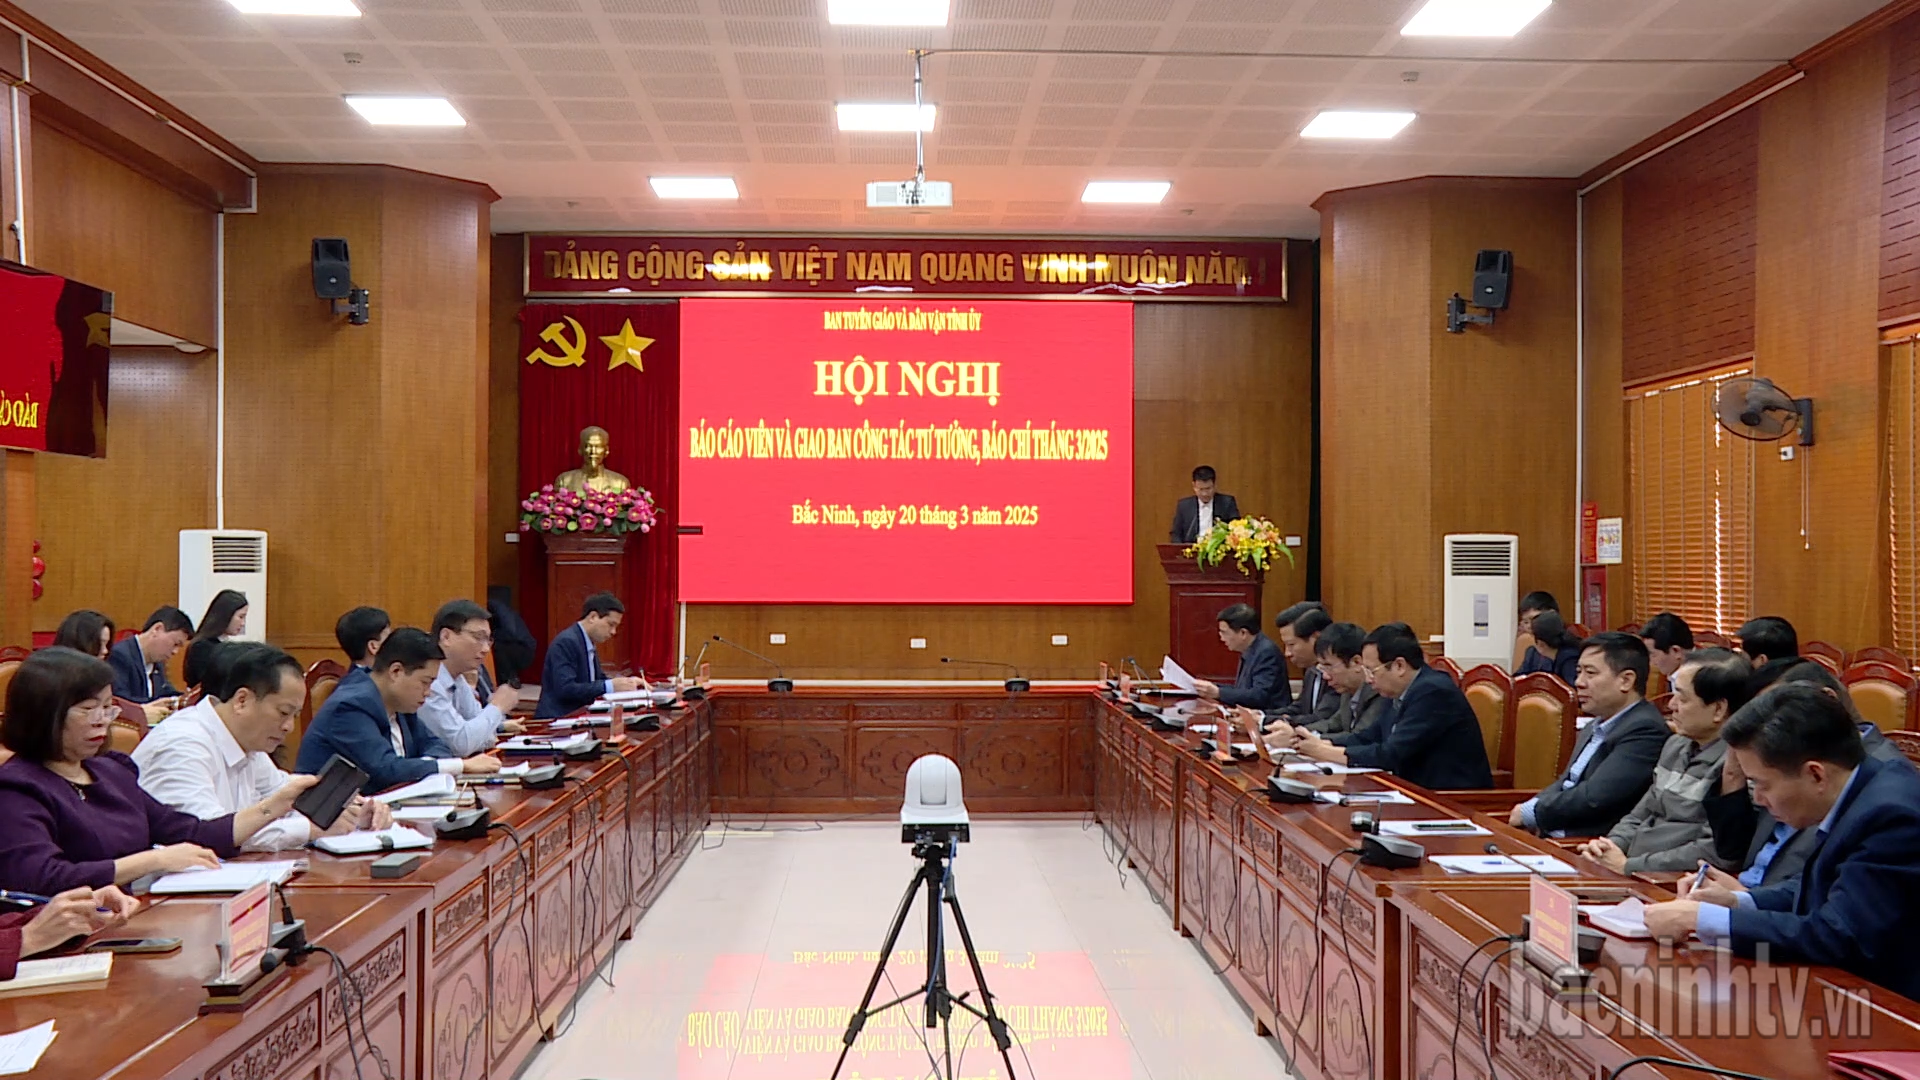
x: 937, y: 875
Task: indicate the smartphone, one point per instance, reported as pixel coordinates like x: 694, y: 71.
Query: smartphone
x: 1442, y: 826
x: 322, y: 803
x: 136, y: 945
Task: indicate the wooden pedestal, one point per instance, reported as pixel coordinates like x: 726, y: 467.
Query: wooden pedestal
x: 578, y: 567
x: 1195, y: 598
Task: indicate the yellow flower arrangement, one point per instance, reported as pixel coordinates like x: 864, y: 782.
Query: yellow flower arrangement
x: 1252, y: 543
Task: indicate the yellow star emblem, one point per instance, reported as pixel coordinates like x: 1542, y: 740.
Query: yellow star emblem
x: 99, y: 329
x: 626, y: 347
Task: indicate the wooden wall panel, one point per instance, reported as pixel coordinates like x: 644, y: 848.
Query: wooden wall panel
x: 17, y: 530
x: 1378, y: 559
x: 1818, y: 240
x: 506, y: 282
x: 1606, y: 457
x: 359, y: 448
x: 98, y: 221
x: 108, y: 526
x: 1688, y: 240
x: 1900, y: 200
x: 1219, y: 384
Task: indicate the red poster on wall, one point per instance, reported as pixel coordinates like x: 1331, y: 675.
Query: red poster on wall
x: 53, y: 366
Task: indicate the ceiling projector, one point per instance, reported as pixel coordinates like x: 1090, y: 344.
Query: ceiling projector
x: 915, y: 194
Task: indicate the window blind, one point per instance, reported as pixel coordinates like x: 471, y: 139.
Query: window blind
x: 1691, y: 488
x: 1903, y: 492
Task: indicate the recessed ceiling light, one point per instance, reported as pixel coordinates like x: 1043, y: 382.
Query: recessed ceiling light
x: 1473, y: 18
x: 1125, y: 191
x: 406, y: 111
x: 343, y: 9
x: 884, y: 117
x: 1335, y: 124
x: 887, y: 12
x: 694, y: 187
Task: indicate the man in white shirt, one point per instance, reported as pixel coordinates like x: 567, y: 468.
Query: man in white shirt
x: 452, y: 710
x: 212, y: 759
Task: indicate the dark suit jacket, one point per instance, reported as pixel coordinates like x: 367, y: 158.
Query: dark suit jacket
x: 1431, y: 737
x: 1848, y: 908
x: 1261, y: 682
x: 1621, y: 771
x: 353, y: 724
x: 1318, y: 701
x: 1356, y: 713
x: 130, y: 673
x: 1186, y: 517
x: 1741, y: 828
x: 571, y: 678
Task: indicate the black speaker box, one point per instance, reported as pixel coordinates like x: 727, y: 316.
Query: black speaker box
x: 1492, y: 278
x: 332, y: 274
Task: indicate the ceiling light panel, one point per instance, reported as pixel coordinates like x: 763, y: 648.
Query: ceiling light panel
x: 694, y: 187
x: 884, y: 117
x: 339, y: 9
x: 887, y: 12
x: 1337, y: 124
x: 406, y: 111
x: 1473, y: 18
x: 1125, y: 191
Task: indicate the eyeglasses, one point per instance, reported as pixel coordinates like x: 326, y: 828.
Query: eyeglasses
x: 483, y: 638
x: 109, y: 708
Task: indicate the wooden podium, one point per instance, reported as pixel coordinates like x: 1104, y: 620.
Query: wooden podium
x: 1195, y: 598
x: 578, y: 567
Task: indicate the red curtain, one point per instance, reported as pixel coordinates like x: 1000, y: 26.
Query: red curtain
x: 641, y: 411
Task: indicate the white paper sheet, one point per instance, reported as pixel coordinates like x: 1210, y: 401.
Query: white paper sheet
x: 368, y: 841
x: 1326, y: 769
x: 230, y: 877
x: 420, y: 813
x: 21, y: 1050
x: 439, y: 785
x: 1501, y: 864
x: 1365, y: 798
x: 547, y: 742
x: 1171, y: 671
x: 1627, y: 919
x: 57, y: 971
x: 1412, y: 829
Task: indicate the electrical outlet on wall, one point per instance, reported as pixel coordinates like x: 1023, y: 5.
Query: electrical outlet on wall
x: 1059, y: 639
x: 776, y: 639
x: 917, y: 643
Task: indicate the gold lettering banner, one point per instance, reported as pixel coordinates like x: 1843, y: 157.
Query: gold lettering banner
x: 894, y: 267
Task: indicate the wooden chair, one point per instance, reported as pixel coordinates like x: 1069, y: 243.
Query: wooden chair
x: 1828, y: 662
x: 1446, y: 664
x: 1543, y: 729
x: 1879, y: 654
x: 1711, y: 639
x: 1908, y: 742
x: 8, y: 665
x: 125, y: 731
x: 1883, y: 694
x: 1489, y: 690
x: 322, y: 678
x: 1579, y: 630
x: 1629, y: 628
x: 1831, y: 656
x: 1663, y: 702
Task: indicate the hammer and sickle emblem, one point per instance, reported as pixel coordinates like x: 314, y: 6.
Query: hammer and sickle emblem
x: 572, y: 353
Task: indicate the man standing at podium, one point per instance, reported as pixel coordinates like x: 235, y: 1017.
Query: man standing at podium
x: 1197, y: 514
x: 1261, y: 683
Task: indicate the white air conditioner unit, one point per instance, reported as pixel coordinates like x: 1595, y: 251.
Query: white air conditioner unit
x: 1482, y: 594
x: 215, y: 559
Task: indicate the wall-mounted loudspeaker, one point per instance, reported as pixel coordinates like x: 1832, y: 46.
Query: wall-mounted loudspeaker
x: 332, y: 275
x: 1492, y: 277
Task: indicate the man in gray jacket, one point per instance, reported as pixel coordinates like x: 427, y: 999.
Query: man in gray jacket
x: 1667, y: 829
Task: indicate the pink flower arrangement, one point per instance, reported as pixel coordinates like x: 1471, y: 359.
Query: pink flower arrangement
x: 550, y: 510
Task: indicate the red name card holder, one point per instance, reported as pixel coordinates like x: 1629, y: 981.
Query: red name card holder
x: 249, y: 964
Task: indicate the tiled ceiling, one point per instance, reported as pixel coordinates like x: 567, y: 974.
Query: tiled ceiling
x: 572, y: 104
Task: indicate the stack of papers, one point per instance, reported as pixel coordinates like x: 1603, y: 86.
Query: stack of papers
x: 1436, y: 827
x: 1364, y: 798
x: 228, y: 877
x: 1627, y: 919
x: 656, y: 696
x: 58, y: 971
x: 439, y: 787
x: 1325, y: 769
x: 507, y: 772
x: 20, y: 1051
x: 420, y: 813
x: 368, y: 841
x: 1177, y: 675
x: 1501, y: 864
x: 539, y: 743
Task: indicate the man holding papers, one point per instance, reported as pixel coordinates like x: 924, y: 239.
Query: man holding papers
x: 1261, y: 682
x: 372, y: 723
x: 212, y: 759
x: 571, y: 678
x: 1848, y: 908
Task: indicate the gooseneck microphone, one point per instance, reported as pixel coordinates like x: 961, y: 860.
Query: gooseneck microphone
x: 779, y: 684
x: 1492, y: 848
x: 1137, y: 672
x: 1014, y: 685
x: 691, y: 690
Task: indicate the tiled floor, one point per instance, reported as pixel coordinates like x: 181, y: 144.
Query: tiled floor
x: 749, y: 965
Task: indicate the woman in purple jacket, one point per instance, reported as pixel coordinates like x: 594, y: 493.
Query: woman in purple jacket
x: 76, y: 814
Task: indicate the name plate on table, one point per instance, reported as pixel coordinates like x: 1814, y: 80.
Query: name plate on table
x: 1553, y: 928
x: 246, y: 931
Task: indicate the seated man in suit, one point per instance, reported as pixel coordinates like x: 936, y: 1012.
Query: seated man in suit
x: 1668, y: 639
x: 571, y: 678
x: 1773, y: 646
x: 1531, y: 605
x: 1768, y: 851
x: 1300, y: 628
x: 1357, y: 706
x: 370, y: 721
x: 360, y: 633
x: 1614, y: 756
x: 1848, y: 907
x: 1261, y: 682
x: 140, y: 662
x: 1430, y: 736
x: 1198, y: 513
x: 452, y: 710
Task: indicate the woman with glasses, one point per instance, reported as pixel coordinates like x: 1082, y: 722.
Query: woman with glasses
x: 76, y: 814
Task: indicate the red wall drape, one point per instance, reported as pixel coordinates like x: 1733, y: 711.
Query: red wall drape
x: 641, y: 412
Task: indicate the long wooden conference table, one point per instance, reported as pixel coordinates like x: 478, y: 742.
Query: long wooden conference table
x: 464, y: 966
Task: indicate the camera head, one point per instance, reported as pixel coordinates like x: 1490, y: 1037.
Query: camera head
x: 933, y: 811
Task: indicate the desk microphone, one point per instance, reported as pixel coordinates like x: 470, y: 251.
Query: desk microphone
x: 692, y: 691
x: 1494, y: 849
x: 1135, y: 665
x: 1014, y: 685
x: 779, y: 684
